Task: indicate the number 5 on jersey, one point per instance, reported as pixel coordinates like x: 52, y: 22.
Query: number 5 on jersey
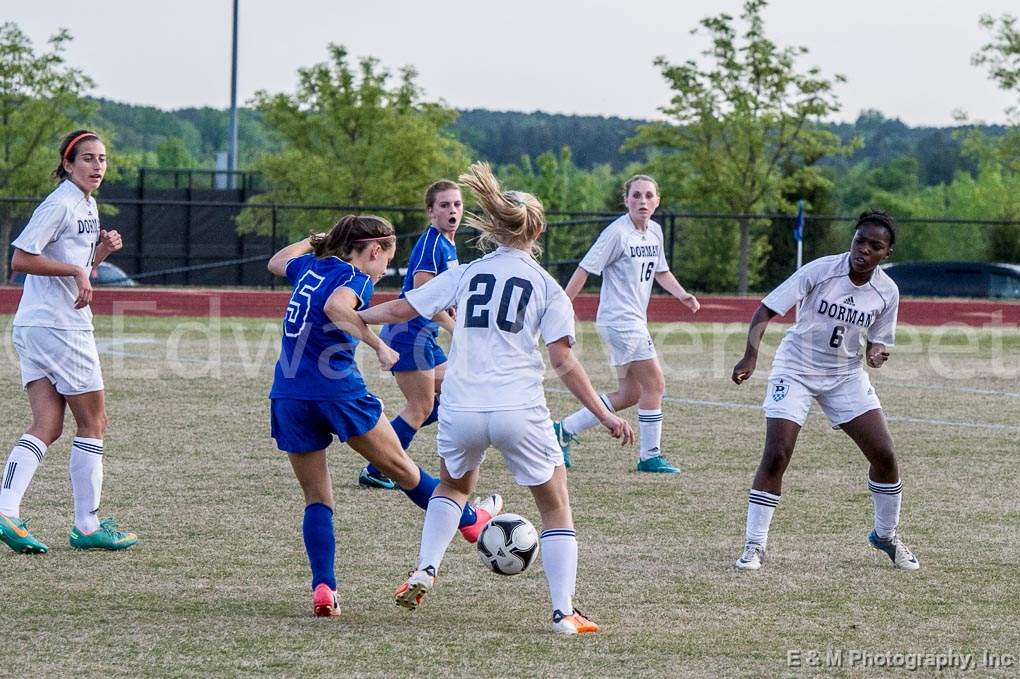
x: 300, y: 301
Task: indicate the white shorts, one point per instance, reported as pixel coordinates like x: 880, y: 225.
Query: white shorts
x: 842, y: 397
x: 627, y: 345
x: 525, y: 437
x: 67, y: 358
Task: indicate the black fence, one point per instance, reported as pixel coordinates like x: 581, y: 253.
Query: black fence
x: 188, y: 236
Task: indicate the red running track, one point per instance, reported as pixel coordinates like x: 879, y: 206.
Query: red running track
x: 714, y: 309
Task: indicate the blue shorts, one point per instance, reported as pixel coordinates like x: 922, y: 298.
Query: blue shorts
x: 303, y: 426
x: 418, y: 350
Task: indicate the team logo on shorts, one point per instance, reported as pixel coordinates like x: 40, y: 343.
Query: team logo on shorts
x: 779, y: 392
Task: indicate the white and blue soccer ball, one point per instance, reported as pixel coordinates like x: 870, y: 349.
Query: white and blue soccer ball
x: 508, y: 544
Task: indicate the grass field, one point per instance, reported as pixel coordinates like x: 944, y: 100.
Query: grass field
x: 218, y: 584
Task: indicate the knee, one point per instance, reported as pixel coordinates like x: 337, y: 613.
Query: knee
x: 47, y: 432
x: 630, y: 395
x: 655, y: 385
x: 96, y: 426
x: 776, y: 457
x: 418, y: 411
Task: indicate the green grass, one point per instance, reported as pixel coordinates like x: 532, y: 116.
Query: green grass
x: 218, y: 584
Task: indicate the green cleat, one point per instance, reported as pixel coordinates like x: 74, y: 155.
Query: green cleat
x: 657, y: 465
x: 105, y: 537
x: 14, y: 533
x: 564, y: 438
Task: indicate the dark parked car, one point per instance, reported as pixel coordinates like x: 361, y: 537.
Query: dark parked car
x: 105, y: 274
x: 956, y: 279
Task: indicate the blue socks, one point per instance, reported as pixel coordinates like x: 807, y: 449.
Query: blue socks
x: 405, y: 432
x: 320, y: 543
x: 433, y: 416
x: 422, y: 493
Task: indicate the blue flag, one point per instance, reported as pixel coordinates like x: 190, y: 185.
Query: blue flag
x: 798, y: 226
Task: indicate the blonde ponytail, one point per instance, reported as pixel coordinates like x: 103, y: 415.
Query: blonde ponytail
x: 510, y: 218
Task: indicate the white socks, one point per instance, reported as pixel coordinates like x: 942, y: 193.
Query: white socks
x: 86, y: 468
x: 559, y: 559
x: 441, y: 520
x: 650, y: 430
x: 760, y: 507
x: 583, y: 419
x: 24, y: 459
x: 886, y: 498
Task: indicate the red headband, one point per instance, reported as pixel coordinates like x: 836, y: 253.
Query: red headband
x: 362, y: 240
x: 76, y: 140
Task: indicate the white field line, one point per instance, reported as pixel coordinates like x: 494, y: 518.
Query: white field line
x: 105, y: 347
x: 989, y: 426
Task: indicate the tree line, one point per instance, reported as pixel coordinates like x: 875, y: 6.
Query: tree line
x: 745, y: 132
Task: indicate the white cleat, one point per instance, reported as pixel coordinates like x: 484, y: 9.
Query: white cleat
x: 752, y: 558
x: 414, y: 589
x: 894, y: 548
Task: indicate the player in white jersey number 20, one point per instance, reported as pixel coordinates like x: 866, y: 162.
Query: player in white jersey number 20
x: 629, y: 254
x: 493, y: 393
x: 53, y: 337
x: 842, y: 301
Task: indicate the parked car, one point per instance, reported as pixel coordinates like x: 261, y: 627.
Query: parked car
x: 956, y: 279
x: 105, y: 274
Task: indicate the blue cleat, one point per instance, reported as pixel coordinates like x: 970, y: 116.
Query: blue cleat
x: 657, y: 465
x: 369, y: 480
x: 894, y: 548
x: 564, y: 438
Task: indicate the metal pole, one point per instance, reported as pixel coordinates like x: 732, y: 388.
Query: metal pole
x: 232, y: 152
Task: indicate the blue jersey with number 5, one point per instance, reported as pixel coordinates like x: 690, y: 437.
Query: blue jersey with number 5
x: 316, y: 358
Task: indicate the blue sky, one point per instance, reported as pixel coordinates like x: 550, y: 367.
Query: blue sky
x: 907, y: 58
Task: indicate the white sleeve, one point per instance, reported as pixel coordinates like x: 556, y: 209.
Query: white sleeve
x: 42, y: 228
x: 883, y: 330
x: 438, y: 294
x: 605, y: 250
x: 794, y: 288
x: 558, y: 319
x: 663, y: 263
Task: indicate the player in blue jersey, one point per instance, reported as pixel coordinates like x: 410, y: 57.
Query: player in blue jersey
x: 422, y: 365
x: 318, y: 392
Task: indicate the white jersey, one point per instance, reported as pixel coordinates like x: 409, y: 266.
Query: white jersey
x: 65, y: 228
x: 834, y: 317
x: 504, y: 301
x: 627, y: 259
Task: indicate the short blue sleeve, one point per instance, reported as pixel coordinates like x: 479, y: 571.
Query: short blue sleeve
x: 427, y: 259
x: 295, y: 267
x: 362, y: 286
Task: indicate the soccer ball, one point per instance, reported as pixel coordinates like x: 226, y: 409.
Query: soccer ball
x: 508, y: 544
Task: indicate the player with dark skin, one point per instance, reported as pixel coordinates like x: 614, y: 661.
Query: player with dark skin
x: 870, y: 247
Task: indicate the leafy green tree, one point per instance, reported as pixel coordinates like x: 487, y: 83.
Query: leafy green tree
x: 40, y: 98
x: 563, y: 186
x: 742, y: 133
x: 1002, y: 56
x: 173, y: 153
x: 350, y: 137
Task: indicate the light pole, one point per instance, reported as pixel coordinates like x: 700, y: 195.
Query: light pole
x: 232, y: 152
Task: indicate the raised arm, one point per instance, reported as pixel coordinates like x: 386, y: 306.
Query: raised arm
x: 278, y: 262
x: 759, y: 322
x: 576, y: 282
x: 574, y: 378
x: 671, y: 285
x: 340, y: 308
